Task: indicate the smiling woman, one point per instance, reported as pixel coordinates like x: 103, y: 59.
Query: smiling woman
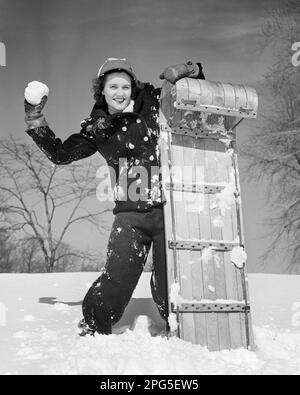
x: 124, y: 128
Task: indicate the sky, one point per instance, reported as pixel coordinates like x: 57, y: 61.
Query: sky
x: 63, y: 43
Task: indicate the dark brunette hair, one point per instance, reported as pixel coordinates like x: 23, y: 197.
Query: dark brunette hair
x: 99, y: 83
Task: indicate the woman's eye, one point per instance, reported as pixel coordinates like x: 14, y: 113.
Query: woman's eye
x: 116, y: 87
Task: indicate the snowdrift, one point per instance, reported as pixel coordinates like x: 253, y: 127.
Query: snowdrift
x: 39, y: 314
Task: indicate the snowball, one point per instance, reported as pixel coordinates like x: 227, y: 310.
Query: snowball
x: 34, y: 92
x: 238, y: 256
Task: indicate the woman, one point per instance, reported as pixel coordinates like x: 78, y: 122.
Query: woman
x: 124, y: 128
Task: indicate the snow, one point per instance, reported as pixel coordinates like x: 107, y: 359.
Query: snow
x: 47, y: 342
x: 295, y: 321
x: 174, y: 294
x: 29, y: 318
x: 34, y: 92
x: 176, y: 298
x: 172, y: 322
x: 61, y: 307
x: 130, y: 106
x: 207, y: 254
x: 211, y: 288
x: 225, y: 199
x: 238, y: 256
x: 218, y: 222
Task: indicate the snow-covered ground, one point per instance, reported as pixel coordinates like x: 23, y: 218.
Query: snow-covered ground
x: 39, y: 314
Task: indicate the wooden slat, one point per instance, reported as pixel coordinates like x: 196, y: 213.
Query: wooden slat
x: 219, y: 285
x: 213, y: 341
x: 192, y: 213
x: 232, y: 276
x: 196, y: 231
x: 185, y: 279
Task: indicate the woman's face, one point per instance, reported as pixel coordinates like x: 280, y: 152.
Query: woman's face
x: 117, y: 91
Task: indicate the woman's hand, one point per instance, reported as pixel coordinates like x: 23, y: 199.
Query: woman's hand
x: 36, y: 96
x: 34, y: 111
x: 178, y: 71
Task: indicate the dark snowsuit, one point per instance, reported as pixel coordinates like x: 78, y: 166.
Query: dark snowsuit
x: 139, y: 221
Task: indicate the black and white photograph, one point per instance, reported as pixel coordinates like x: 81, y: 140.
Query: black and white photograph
x: 149, y: 190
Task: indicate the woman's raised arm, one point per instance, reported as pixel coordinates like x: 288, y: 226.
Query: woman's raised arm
x: 75, y: 147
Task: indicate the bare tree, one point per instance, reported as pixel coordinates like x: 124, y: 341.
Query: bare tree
x: 70, y: 259
x: 274, y: 151
x: 35, y: 194
x: 28, y: 251
x: 7, y: 259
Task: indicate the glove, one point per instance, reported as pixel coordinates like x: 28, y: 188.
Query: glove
x: 178, y: 71
x: 36, y: 96
x: 33, y: 116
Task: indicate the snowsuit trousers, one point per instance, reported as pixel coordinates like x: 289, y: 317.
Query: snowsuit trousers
x: 130, y: 240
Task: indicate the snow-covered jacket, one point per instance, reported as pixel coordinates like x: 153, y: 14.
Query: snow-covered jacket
x: 129, y: 143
